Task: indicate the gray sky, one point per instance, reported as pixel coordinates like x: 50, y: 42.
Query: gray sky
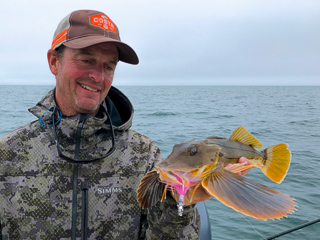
x: 213, y: 42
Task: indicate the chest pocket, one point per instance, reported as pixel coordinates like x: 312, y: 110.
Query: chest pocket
x: 113, y: 209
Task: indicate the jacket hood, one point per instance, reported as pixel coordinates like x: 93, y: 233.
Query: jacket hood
x: 83, y: 137
x: 118, y: 105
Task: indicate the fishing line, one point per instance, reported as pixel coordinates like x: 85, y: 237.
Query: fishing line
x: 252, y: 226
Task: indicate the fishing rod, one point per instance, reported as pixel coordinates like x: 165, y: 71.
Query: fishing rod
x: 292, y: 229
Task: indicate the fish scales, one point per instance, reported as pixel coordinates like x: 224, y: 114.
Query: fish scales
x: 232, y: 150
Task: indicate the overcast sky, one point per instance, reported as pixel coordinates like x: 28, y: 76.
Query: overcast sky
x: 214, y: 42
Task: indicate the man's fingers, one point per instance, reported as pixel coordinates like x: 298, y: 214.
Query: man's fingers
x: 247, y: 162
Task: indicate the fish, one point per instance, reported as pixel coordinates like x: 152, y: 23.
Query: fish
x: 211, y: 164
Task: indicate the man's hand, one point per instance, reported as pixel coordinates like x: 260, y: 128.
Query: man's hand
x: 247, y: 162
x: 200, y: 194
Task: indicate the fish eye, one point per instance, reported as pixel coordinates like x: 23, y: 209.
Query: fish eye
x: 193, y: 151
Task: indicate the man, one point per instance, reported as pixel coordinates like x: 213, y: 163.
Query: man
x: 75, y: 171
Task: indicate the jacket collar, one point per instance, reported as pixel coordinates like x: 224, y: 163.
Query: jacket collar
x: 83, y: 136
x: 116, y: 103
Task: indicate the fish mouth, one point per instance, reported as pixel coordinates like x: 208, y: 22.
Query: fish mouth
x: 173, y: 177
x: 176, y: 167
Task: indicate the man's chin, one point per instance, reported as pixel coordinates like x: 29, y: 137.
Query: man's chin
x: 89, y: 109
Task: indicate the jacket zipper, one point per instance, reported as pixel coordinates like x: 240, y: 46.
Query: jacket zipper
x: 75, y: 184
x: 84, y: 219
x: 74, y: 201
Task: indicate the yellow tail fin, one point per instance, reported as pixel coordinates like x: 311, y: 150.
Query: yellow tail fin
x: 277, y: 162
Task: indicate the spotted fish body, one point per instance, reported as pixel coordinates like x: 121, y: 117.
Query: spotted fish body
x: 204, y: 163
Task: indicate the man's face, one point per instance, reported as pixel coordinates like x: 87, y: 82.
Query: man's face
x: 84, y: 77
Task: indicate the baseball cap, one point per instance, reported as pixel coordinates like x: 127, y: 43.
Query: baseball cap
x: 84, y: 28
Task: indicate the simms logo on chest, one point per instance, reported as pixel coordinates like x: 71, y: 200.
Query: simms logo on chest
x: 109, y: 190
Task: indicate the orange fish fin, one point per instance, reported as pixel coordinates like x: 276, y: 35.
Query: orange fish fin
x: 164, y: 195
x: 242, y: 135
x: 150, y: 190
x: 247, y: 196
x: 277, y: 163
x: 196, y: 187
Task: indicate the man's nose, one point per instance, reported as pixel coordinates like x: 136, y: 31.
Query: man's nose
x: 96, y: 73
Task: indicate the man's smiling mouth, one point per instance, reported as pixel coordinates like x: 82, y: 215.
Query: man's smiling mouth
x: 88, y: 88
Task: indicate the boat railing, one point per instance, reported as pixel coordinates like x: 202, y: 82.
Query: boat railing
x: 292, y: 229
x: 205, y: 233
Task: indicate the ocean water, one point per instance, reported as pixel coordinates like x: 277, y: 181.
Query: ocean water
x: 174, y: 114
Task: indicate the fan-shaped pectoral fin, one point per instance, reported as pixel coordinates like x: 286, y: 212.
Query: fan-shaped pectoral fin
x: 150, y: 190
x: 247, y: 196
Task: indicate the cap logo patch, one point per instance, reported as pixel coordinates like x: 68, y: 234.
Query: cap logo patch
x: 102, y: 21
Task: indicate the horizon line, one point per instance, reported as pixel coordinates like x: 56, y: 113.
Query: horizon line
x: 181, y: 85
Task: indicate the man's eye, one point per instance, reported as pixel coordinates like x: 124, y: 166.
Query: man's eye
x: 109, y: 70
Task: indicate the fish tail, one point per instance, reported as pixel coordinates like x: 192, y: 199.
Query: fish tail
x: 277, y: 162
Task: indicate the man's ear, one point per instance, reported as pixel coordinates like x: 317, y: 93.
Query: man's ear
x: 53, y: 61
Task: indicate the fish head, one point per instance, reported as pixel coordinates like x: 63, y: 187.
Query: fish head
x: 189, y: 156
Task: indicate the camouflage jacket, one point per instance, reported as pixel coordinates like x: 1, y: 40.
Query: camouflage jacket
x: 45, y: 195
